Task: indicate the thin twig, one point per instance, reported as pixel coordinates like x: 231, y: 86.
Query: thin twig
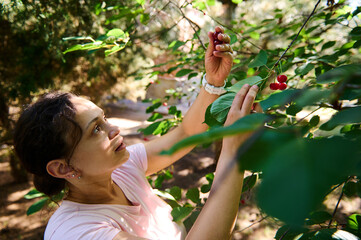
x: 335, y: 210
x: 191, y: 23
x: 284, y: 234
x: 338, y: 202
x: 238, y: 231
x: 307, y: 115
x: 294, y: 39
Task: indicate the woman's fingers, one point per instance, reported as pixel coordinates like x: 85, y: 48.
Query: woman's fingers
x: 248, y: 100
x: 239, y: 98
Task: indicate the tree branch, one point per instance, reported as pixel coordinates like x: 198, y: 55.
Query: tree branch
x: 304, y: 24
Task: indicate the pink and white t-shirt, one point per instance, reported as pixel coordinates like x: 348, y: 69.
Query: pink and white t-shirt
x: 149, y: 217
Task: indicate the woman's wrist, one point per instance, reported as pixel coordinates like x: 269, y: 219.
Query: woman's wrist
x: 213, y: 89
x: 216, y: 83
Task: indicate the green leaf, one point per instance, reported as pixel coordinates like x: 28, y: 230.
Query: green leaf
x: 293, y: 109
x: 159, y: 181
x: 151, y: 128
x: 237, y: 1
x: 356, y: 32
x: 141, y: 2
x: 34, y: 194
x: 77, y: 38
x: 155, y: 117
x: 114, y: 49
x: 233, y: 38
x: 350, y: 189
x: 318, y: 217
x: 249, y: 182
x: 357, y: 44
x: 349, y: 115
x: 189, y: 222
x: 117, y: 33
x: 87, y: 46
x: 260, y: 60
x: 193, y: 195
x: 37, y: 206
x: 176, y: 44
x: 247, y: 123
x: 314, y: 121
x: 163, y: 194
x: 289, y: 232
x: 333, y: 234
x: 176, y: 192
x: 312, y: 96
x: 354, y: 224
x: 254, y: 80
x: 313, y: 161
x: 339, y: 73
x: 304, y: 69
x: 183, y: 72
x: 192, y: 75
x: 357, y: 11
x: 278, y: 98
x: 220, y: 108
x: 179, y: 213
x: 254, y: 35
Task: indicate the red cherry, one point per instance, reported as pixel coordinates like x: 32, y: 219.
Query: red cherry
x: 282, y: 86
x: 151, y: 82
x: 217, y: 42
x: 145, y: 139
x: 281, y: 78
x: 243, y: 201
x: 215, y: 35
x: 165, y: 104
x: 274, y: 86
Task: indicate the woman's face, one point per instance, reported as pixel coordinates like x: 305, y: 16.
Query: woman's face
x: 101, y: 148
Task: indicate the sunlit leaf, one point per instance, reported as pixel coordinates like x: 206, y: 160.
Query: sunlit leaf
x: 179, y: 213
x: 193, y: 195
x: 37, y: 206
x: 245, y: 124
x: 260, y: 60
x: 304, y: 69
x: 254, y: 80
x: 183, y: 72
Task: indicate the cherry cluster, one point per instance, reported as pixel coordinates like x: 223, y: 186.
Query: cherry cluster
x: 281, y: 84
x: 216, y: 40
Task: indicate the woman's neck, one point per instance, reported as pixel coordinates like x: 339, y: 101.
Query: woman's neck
x: 100, y: 192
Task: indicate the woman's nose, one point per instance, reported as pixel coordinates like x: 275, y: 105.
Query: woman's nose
x: 113, y: 132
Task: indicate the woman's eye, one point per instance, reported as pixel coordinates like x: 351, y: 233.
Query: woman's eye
x: 96, y: 129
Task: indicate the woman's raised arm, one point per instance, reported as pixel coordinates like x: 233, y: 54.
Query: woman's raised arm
x: 218, y: 64
x: 217, y: 218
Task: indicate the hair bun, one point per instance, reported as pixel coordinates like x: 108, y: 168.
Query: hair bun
x: 48, y: 184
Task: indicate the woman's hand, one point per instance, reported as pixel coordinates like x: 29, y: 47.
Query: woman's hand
x: 218, y: 59
x: 241, y: 106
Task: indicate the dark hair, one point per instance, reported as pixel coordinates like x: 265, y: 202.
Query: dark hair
x: 46, y: 131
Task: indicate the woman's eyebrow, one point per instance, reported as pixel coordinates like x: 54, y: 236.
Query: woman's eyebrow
x: 94, y: 120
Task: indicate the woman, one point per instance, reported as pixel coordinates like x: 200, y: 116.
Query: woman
x: 66, y: 141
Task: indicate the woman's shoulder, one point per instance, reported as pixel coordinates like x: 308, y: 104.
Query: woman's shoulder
x: 72, y: 220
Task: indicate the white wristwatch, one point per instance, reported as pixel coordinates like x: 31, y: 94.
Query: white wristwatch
x: 213, y: 89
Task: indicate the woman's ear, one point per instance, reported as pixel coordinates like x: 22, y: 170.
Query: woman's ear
x: 59, y: 168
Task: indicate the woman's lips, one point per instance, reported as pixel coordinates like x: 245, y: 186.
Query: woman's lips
x: 120, y: 147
